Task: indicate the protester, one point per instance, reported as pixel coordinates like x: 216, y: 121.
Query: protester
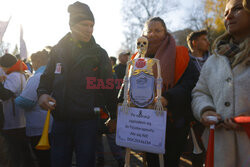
x: 223, y: 89
x: 13, y: 130
x: 120, y: 69
x: 199, y: 52
x: 117, y: 151
x: 35, y: 116
x: 179, y: 76
x: 199, y: 47
x: 75, y: 58
x: 113, y: 61
x: 30, y: 69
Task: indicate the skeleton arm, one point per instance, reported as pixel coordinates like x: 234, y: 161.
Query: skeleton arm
x: 158, y: 105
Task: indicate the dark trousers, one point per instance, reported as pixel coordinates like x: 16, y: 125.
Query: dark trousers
x: 42, y: 156
x: 77, y: 136
x: 18, y: 152
x: 175, y: 142
x: 117, y: 151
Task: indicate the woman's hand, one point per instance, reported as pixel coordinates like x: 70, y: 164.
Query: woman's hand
x: 205, y: 121
x: 229, y: 124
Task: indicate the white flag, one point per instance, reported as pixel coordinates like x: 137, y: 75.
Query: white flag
x: 3, y: 27
x: 23, y: 49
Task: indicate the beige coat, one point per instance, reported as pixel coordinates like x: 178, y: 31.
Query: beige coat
x: 228, y: 92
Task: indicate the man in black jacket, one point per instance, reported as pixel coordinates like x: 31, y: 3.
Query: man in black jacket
x: 120, y: 69
x: 74, y: 60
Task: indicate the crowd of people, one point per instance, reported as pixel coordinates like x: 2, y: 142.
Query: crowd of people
x: 198, y: 81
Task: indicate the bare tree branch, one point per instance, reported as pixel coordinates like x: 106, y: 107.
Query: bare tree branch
x: 136, y: 13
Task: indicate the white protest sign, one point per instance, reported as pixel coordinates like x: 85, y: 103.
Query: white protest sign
x: 141, y: 129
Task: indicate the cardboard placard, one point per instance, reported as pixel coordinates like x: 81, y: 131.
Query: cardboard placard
x: 141, y: 129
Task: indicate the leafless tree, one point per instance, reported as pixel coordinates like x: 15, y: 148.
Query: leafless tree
x: 181, y: 36
x: 136, y: 12
x: 200, y: 18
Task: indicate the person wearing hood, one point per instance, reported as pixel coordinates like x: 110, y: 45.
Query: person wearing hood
x: 223, y: 89
x: 74, y: 62
x: 11, y: 86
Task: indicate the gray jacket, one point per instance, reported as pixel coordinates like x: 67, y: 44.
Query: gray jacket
x: 227, y: 91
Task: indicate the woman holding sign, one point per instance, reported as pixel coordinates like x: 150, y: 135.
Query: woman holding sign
x: 179, y: 77
x: 223, y: 89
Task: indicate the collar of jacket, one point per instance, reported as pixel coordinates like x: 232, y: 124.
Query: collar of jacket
x: 81, y: 44
x: 204, y: 58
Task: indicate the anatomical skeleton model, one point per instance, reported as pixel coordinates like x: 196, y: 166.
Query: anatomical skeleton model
x: 139, y: 86
x: 143, y: 66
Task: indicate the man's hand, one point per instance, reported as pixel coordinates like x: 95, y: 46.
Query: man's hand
x: 205, y: 121
x: 44, y: 100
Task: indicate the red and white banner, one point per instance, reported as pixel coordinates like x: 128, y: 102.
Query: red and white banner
x: 3, y: 27
x: 23, y: 49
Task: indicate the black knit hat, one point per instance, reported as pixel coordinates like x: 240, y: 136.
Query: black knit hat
x: 78, y: 12
x: 7, y: 60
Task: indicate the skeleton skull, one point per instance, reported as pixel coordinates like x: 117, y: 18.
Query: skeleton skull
x: 142, y: 45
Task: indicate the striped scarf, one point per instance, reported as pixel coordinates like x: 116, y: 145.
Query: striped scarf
x: 236, y: 53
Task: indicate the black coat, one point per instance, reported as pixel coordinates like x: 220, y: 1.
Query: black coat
x: 179, y: 97
x: 74, y: 100
x: 179, y: 117
x: 120, y: 70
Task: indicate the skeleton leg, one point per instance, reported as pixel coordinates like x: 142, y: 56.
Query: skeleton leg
x: 126, y: 104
